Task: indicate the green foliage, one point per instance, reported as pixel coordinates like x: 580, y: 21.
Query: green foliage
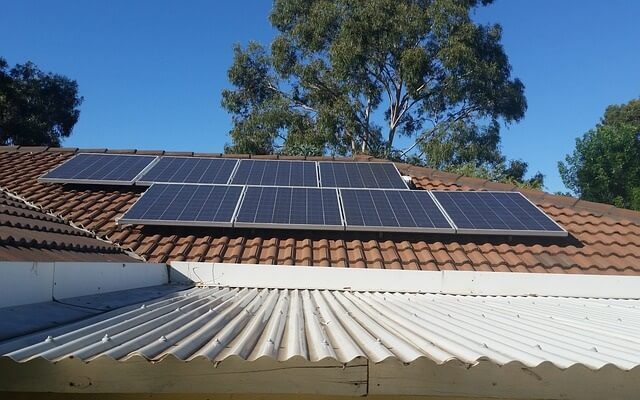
x: 348, y: 76
x: 512, y: 172
x: 463, y: 144
x: 605, y: 165
x: 472, y: 150
x: 36, y: 108
x: 628, y: 113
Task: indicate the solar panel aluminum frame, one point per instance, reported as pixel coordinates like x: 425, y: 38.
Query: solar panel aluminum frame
x: 406, y: 186
x: 260, y: 225
x: 504, y: 232
x: 140, y: 182
x: 95, y: 181
x: 205, y: 224
x: 360, y: 228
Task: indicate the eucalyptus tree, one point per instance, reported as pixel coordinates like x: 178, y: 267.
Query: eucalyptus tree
x: 349, y: 76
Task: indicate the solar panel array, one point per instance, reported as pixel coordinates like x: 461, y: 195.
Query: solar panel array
x: 185, y: 204
x: 289, y: 207
x: 146, y: 170
x: 190, y: 170
x: 296, y: 194
x: 392, y: 210
x: 276, y: 173
x: 360, y: 175
x: 100, y: 168
x: 496, y: 213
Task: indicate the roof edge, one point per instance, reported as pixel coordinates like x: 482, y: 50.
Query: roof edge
x: 92, y: 234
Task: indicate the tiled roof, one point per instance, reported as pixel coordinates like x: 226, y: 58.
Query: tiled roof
x: 603, y: 239
x: 28, y: 234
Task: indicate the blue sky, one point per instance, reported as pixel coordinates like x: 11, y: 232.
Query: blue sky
x: 151, y: 72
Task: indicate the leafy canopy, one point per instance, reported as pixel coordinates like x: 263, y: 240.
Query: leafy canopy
x: 605, y: 165
x: 347, y: 76
x: 36, y: 108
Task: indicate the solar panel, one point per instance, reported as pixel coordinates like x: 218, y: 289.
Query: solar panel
x: 496, y: 213
x: 360, y: 175
x: 190, y: 170
x: 106, y: 169
x: 185, y: 204
x: 276, y: 173
x: 289, y: 207
x: 392, y: 210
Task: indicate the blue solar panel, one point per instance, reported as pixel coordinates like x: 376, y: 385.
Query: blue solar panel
x: 360, y: 175
x: 190, y: 170
x: 289, y: 207
x: 498, y: 213
x: 276, y: 173
x: 118, y: 169
x: 392, y: 210
x: 185, y: 204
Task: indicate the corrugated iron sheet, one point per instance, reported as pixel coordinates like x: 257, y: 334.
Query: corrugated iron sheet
x: 219, y: 322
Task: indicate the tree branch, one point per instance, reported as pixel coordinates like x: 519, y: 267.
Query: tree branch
x: 463, y: 113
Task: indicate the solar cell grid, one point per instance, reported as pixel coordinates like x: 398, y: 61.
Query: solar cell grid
x: 190, y: 170
x: 392, y: 210
x: 289, y: 207
x: 185, y: 204
x: 276, y: 173
x: 507, y: 213
x: 99, y: 169
x: 360, y: 175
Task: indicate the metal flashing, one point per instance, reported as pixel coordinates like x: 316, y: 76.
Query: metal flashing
x: 406, y: 281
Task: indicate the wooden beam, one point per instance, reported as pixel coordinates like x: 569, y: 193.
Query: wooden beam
x: 512, y: 381
x: 233, y: 375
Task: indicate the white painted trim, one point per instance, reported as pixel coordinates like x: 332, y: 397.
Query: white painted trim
x: 25, y: 282
x: 445, y: 282
x: 37, y: 282
x: 72, y: 279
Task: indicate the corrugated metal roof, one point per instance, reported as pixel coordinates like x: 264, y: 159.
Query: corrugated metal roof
x: 218, y: 322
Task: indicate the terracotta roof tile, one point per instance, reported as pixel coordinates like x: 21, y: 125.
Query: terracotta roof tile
x: 304, y: 252
x: 321, y: 254
x: 30, y: 234
x: 286, y: 252
x: 338, y: 253
x: 251, y: 251
x: 356, y: 257
x: 269, y: 252
x: 604, y: 239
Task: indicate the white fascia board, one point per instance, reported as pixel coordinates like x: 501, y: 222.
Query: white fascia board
x: 25, y: 282
x: 36, y: 282
x: 73, y: 279
x: 444, y: 282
